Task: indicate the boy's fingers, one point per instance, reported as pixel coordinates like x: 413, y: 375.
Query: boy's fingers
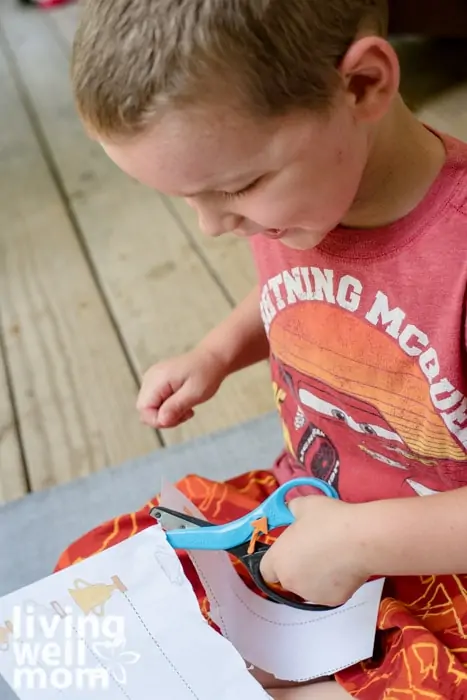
x: 149, y: 416
x: 177, y: 407
x: 174, y: 420
x: 152, y: 395
x: 147, y: 399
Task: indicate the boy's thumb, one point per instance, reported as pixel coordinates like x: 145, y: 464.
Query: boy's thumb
x: 297, y: 506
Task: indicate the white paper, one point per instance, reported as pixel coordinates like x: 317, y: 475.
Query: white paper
x: 123, y: 624
x: 293, y: 645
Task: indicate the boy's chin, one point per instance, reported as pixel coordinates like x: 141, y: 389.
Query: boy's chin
x: 303, y: 239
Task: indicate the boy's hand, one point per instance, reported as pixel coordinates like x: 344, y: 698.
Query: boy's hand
x: 322, y: 556
x: 171, y: 389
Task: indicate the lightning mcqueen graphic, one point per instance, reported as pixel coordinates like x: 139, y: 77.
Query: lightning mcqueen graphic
x: 317, y: 417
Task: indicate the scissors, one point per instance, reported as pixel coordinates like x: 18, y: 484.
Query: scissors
x: 240, y: 537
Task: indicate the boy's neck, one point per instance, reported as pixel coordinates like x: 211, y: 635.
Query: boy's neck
x: 404, y: 162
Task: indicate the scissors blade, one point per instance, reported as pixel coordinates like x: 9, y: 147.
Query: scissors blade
x: 174, y: 520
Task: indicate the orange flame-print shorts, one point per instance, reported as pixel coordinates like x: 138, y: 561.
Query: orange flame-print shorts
x: 421, y: 644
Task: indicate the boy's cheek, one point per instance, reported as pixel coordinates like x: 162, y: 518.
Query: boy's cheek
x: 280, y: 209
x: 313, y: 203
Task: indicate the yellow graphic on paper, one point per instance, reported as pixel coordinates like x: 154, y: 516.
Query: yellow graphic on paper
x: 91, y: 597
x: 5, y: 632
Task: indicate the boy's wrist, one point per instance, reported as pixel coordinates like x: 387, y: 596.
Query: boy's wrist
x: 240, y: 340
x: 231, y: 356
x: 372, y: 539
x: 219, y: 356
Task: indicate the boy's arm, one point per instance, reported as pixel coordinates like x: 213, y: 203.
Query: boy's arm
x: 416, y: 536
x: 240, y: 340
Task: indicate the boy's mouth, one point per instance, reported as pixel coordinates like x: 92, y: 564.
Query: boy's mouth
x: 275, y: 233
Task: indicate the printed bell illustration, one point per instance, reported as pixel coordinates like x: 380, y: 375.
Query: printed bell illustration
x: 92, y: 597
x: 5, y: 632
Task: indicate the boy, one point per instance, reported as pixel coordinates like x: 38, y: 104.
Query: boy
x: 281, y: 120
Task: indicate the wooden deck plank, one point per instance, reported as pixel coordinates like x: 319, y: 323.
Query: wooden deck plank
x: 229, y: 256
x: 73, y: 387
x: 162, y: 295
x: 12, y: 480
x: 448, y: 113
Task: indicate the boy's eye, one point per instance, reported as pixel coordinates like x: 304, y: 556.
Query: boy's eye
x: 240, y: 193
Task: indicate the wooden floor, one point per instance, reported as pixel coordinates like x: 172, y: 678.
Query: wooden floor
x: 99, y: 277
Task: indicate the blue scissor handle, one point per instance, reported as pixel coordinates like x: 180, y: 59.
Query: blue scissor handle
x: 235, y: 533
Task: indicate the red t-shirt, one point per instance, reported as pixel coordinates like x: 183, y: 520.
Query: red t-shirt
x: 368, y: 348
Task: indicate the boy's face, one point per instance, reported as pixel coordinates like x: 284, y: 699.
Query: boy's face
x: 293, y: 178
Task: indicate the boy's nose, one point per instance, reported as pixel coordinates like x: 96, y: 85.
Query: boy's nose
x: 215, y: 225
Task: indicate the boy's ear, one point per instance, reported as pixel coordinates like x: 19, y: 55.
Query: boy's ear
x: 371, y: 74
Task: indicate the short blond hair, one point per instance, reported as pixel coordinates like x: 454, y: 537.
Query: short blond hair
x: 134, y: 58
